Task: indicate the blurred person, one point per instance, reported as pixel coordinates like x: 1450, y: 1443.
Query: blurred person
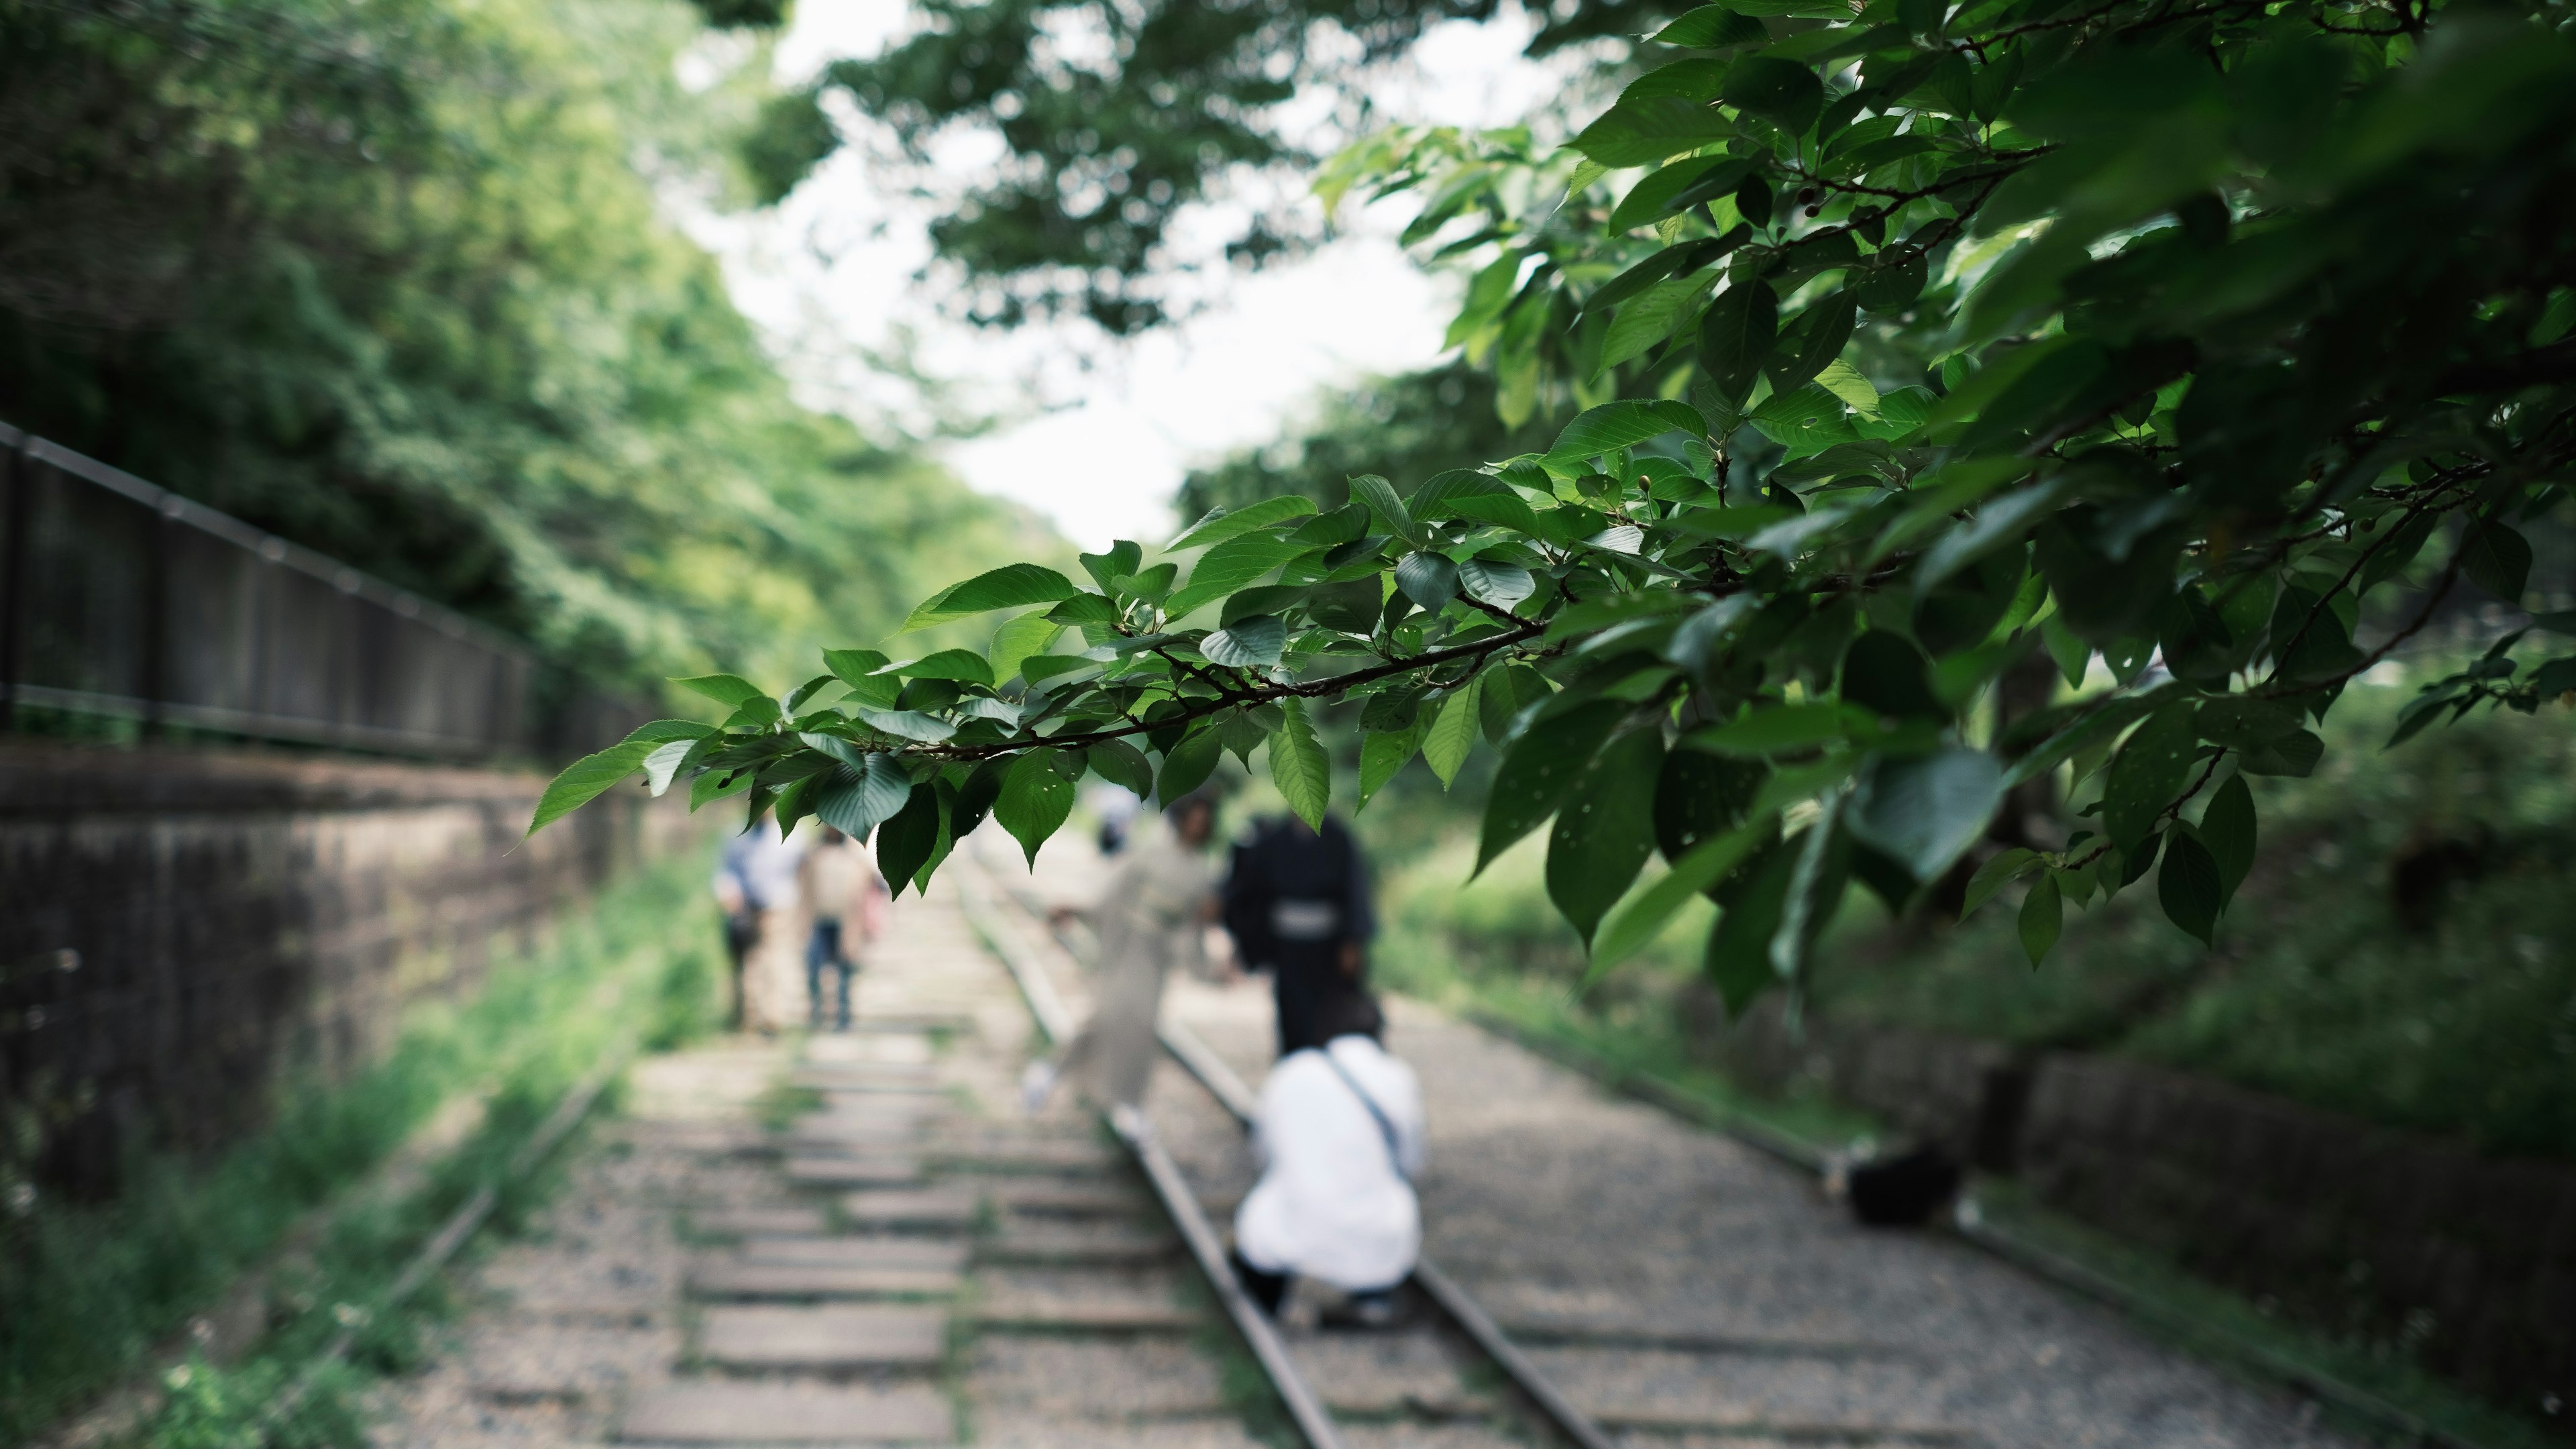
x: 1115, y: 807
x: 1339, y: 1137
x: 1297, y: 906
x: 756, y: 887
x: 1152, y: 916
x: 847, y: 898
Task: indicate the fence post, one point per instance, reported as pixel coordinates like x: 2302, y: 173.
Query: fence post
x: 17, y: 498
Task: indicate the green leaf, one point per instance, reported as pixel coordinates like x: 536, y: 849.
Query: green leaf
x: 1122, y: 764
x: 1227, y: 567
x: 1019, y: 638
x: 1647, y: 319
x: 1461, y: 493
x: 2227, y: 828
x: 907, y: 724
x: 666, y: 761
x: 1924, y: 810
x: 1782, y: 727
x: 2190, y: 886
x: 1617, y: 425
x: 1642, y: 917
x: 2148, y: 774
x: 1451, y: 733
x: 1428, y: 579
x: 1736, y: 334
x: 1780, y: 91
x: 1384, y: 752
x: 1246, y: 643
x: 963, y: 665
x: 1710, y: 27
x: 911, y: 837
x: 1381, y: 499
x: 2294, y: 754
x: 2006, y: 867
x: 1007, y: 587
x: 1187, y: 765
x: 1739, y: 947
x: 2043, y: 916
x: 853, y: 800
x: 2496, y: 559
x: 2073, y: 656
x: 1539, y: 771
x: 1037, y: 795
x: 585, y: 779
x: 1502, y: 585
x: 1605, y: 831
x: 730, y: 690
x: 1298, y: 765
x: 1220, y: 525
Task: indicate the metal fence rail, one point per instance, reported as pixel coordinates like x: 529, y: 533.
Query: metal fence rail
x: 121, y: 599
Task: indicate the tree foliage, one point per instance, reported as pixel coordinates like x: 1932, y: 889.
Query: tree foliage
x: 1915, y: 342
x: 387, y: 279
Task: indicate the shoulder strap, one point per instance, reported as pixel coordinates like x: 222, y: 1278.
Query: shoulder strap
x: 1377, y: 1114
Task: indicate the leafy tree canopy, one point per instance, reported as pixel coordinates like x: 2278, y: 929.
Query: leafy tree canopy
x: 1913, y: 342
x: 391, y: 279
x: 1116, y: 118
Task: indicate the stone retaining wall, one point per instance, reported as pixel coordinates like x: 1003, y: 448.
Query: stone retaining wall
x: 2467, y: 1263
x: 181, y: 926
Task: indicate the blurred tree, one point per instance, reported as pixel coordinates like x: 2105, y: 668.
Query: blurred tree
x: 392, y: 280
x: 1408, y: 427
x: 1118, y: 117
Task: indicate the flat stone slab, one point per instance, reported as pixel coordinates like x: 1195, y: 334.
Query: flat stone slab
x: 828, y: 1338
x: 868, y: 1251
x: 727, y: 1278
x: 864, y: 1087
x: 1071, y: 1199
x: 942, y: 1207
x: 719, y: 1411
x: 754, y: 1222
x: 826, y: 1170
x: 1066, y: 1315
x: 1023, y: 1156
x: 1089, y: 1246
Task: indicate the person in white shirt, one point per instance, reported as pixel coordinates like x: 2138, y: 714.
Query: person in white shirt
x: 1340, y: 1139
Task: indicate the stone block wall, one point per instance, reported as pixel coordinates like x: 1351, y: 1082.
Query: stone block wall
x: 179, y: 927
x: 2469, y: 1262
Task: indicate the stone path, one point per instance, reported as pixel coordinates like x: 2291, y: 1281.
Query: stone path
x: 903, y: 1259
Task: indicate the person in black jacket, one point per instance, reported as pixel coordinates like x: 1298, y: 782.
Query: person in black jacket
x: 1297, y: 905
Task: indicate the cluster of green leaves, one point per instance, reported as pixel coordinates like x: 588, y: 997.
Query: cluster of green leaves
x: 387, y: 280
x: 1921, y: 341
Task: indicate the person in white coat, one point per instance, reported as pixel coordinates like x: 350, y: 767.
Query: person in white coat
x: 1340, y: 1139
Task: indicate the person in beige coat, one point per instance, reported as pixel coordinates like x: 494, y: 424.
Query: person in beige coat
x: 846, y: 897
x: 1152, y: 916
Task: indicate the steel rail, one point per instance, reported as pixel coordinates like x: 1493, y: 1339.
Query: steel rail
x: 1314, y: 1423
x: 1211, y: 1072
x: 1220, y: 1081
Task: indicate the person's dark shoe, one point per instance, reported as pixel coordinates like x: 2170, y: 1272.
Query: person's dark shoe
x: 1381, y: 1309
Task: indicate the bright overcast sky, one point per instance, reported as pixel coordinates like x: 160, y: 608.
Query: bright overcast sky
x: 830, y: 274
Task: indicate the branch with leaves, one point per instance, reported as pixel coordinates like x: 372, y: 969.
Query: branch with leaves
x: 1904, y: 343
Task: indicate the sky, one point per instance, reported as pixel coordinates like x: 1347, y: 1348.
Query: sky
x: 1095, y: 436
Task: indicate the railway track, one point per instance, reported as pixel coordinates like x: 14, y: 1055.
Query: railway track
x: 1624, y: 1278
x: 1461, y: 1322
